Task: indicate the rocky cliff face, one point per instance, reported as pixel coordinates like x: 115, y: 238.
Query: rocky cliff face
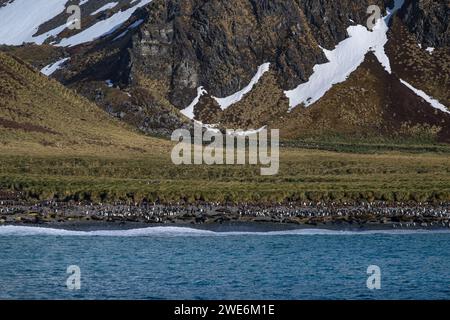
x: 179, y: 45
x: 151, y: 66
x: 220, y: 44
x: 428, y: 20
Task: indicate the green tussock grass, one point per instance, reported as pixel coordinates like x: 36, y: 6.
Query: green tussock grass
x: 55, y: 144
x: 38, y: 115
x: 305, y: 175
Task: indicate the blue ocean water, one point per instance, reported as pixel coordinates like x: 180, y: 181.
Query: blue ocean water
x: 179, y: 263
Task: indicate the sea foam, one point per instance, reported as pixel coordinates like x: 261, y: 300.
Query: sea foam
x: 186, y: 232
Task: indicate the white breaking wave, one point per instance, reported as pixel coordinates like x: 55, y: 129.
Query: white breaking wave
x: 188, y: 232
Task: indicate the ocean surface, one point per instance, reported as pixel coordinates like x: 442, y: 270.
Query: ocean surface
x: 182, y: 263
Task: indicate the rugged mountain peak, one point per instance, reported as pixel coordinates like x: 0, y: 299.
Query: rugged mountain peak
x: 151, y: 65
x: 220, y: 44
x: 52, y: 22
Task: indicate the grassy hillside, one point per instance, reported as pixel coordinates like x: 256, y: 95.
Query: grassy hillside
x: 38, y: 56
x: 39, y: 115
x: 55, y: 144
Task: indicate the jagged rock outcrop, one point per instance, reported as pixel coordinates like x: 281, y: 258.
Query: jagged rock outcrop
x: 426, y: 69
x: 180, y: 45
x: 183, y: 44
x: 151, y: 66
x: 428, y: 21
x: 220, y: 44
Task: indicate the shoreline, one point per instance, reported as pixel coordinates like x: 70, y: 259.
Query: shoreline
x: 225, y: 218
x: 245, y: 228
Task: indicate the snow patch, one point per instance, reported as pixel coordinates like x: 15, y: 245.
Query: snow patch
x: 20, y: 20
x: 430, y: 50
x: 104, y: 8
x: 51, y: 68
x: 433, y: 102
x: 132, y: 26
x: 214, y: 128
x: 136, y: 24
x: 345, y: 59
x: 102, y: 28
x: 189, y: 111
x: 245, y: 133
x: 236, y: 97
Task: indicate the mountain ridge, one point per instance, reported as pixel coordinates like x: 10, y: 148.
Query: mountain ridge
x: 152, y: 65
x: 39, y: 113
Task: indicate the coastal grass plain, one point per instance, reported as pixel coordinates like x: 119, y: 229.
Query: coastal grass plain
x: 317, y: 175
x: 57, y: 145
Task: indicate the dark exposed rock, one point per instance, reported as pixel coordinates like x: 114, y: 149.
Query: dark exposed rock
x: 137, y: 107
x: 217, y: 44
x: 428, y: 20
x: 329, y: 20
x: 184, y: 44
x: 427, y: 71
x: 220, y: 44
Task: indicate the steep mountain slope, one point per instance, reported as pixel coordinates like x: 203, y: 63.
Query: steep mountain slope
x: 247, y: 63
x: 170, y: 54
x: 220, y: 45
x: 39, y: 113
x: 425, y: 67
x: 428, y: 21
x: 364, y: 105
x: 372, y: 104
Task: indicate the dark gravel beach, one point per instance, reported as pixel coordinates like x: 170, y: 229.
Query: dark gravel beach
x: 222, y: 217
